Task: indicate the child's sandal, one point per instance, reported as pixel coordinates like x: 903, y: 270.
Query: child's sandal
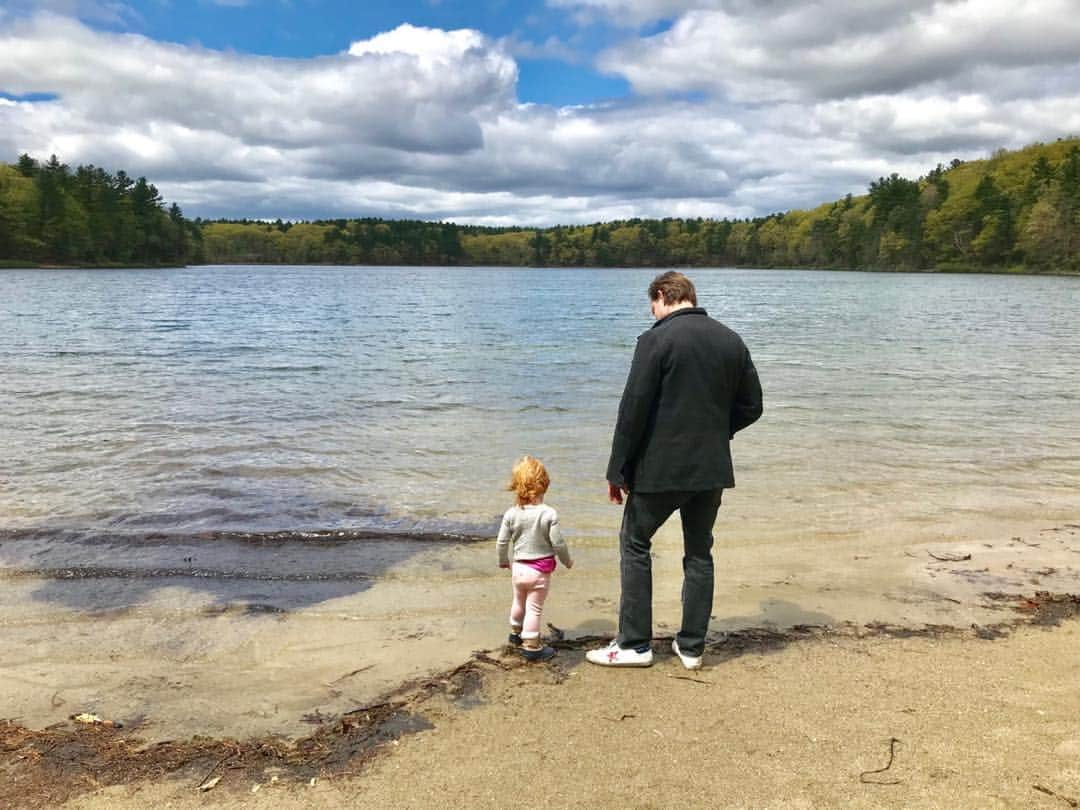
x: 544, y: 653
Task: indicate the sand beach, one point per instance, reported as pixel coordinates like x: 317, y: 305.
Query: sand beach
x: 817, y: 662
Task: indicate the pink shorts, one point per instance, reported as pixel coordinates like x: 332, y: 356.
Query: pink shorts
x: 545, y: 565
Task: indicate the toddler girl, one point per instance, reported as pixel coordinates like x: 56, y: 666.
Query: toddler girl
x: 531, y: 528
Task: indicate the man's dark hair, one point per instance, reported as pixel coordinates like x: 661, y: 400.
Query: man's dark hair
x: 673, y: 287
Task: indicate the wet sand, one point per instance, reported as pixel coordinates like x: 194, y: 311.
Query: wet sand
x: 181, y: 663
x: 789, y: 726
x: 850, y: 716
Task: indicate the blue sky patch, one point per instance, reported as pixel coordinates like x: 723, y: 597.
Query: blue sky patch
x: 29, y: 97
x: 555, y: 68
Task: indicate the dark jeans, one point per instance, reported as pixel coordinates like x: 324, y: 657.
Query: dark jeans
x: 643, y: 515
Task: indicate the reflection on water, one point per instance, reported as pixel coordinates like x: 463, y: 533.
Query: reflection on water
x: 261, y: 399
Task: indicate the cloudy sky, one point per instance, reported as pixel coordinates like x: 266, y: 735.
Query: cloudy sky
x: 529, y: 111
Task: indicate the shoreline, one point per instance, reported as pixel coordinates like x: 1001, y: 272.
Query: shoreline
x: 950, y: 271
x: 104, y: 765
x: 6, y: 265
x: 280, y: 698
x: 185, y: 655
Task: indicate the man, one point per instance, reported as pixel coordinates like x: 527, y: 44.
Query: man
x: 691, y: 387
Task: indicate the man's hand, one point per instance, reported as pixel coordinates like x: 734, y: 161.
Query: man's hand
x: 615, y: 493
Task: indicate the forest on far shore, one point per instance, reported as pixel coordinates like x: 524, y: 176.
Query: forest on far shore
x: 1016, y: 211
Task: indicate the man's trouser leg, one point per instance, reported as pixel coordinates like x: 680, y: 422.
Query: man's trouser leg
x: 644, y: 513
x: 698, y: 515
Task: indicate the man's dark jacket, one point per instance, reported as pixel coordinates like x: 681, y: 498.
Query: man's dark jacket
x: 691, y: 386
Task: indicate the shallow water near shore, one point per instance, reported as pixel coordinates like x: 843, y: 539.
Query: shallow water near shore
x: 301, y: 399
x: 226, y: 488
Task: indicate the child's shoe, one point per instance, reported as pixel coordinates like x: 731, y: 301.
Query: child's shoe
x: 514, y: 639
x: 544, y: 653
x: 615, y: 656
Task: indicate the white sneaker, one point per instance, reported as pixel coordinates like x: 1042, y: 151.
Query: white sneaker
x: 615, y: 656
x: 688, y: 661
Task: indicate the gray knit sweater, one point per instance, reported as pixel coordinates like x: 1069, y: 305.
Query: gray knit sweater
x: 534, y: 532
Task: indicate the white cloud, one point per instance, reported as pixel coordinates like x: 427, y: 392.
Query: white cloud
x: 110, y: 12
x: 629, y: 12
x: 424, y: 97
x: 834, y: 50
x: 634, y: 13
x: 550, y: 48
x: 421, y: 122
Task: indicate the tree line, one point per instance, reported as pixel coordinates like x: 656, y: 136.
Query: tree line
x: 1015, y: 211
x: 50, y: 214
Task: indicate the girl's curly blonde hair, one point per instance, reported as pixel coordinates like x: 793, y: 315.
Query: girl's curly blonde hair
x: 528, y: 480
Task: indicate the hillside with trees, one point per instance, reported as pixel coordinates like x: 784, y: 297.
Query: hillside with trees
x: 1017, y: 211
x: 51, y: 215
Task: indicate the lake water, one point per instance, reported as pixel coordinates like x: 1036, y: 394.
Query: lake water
x: 154, y: 409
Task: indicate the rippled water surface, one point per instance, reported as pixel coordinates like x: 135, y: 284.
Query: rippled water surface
x: 140, y: 403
